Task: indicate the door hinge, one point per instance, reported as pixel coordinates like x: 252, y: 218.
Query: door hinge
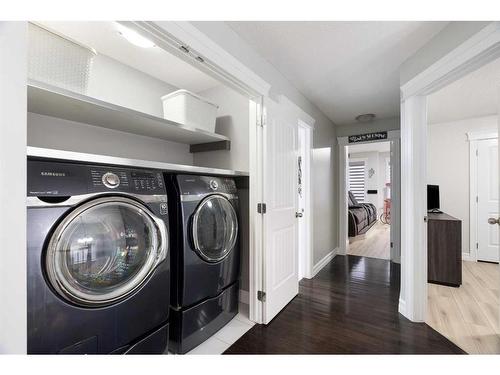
x: 261, y: 296
x: 261, y: 208
x: 477, y: 199
x: 477, y: 152
x: 392, y: 245
x: 477, y: 245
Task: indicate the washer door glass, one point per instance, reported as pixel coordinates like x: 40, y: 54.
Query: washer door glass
x: 215, y: 228
x: 103, y: 251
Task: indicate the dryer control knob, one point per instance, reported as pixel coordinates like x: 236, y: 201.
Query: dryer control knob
x: 110, y: 180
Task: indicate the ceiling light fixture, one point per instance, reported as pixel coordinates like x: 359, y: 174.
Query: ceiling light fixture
x: 134, y: 37
x: 367, y: 117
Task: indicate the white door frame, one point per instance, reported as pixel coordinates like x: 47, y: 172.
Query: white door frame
x: 343, y: 142
x: 473, y: 138
x: 475, y: 52
x: 306, y: 255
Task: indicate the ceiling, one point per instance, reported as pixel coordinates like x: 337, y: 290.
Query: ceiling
x: 474, y: 95
x: 103, y: 36
x: 370, y: 147
x: 345, y: 68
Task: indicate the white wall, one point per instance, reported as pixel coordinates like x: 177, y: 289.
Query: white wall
x: 51, y: 132
x: 448, y: 166
x: 117, y: 83
x: 324, y: 134
x: 232, y: 121
x: 13, y: 316
x: 114, y: 82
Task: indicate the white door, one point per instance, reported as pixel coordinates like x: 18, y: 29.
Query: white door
x: 280, y: 282
x: 487, y: 187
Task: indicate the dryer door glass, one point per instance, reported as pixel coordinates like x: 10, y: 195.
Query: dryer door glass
x: 214, y: 228
x: 103, y: 251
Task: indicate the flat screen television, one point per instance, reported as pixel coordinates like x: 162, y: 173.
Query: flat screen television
x: 433, y: 198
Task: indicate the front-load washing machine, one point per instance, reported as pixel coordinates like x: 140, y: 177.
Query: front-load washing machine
x: 205, y: 257
x: 98, y: 259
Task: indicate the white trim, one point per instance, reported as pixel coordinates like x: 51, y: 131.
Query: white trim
x: 216, y: 60
x: 255, y: 257
x: 472, y: 54
x: 308, y: 210
x: 474, y: 137
x: 485, y: 134
x: 468, y: 257
x: 472, y: 197
x: 244, y: 297
x: 402, y: 307
x: 413, y: 207
x: 324, y: 261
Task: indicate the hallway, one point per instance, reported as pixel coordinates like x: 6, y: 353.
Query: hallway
x: 350, y: 307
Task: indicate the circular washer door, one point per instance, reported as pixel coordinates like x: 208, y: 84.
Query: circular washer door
x: 214, y: 228
x: 104, y: 250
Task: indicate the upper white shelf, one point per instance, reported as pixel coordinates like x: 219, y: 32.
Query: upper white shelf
x: 56, y: 102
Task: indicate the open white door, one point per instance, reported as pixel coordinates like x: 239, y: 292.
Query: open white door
x: 280, y: 234
x: 487, y: 206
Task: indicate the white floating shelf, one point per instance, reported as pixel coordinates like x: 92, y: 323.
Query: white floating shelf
x: 56, y: 102
x: 80, y: 157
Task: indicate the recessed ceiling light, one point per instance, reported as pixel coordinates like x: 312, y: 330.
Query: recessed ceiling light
x: 367, y: 117
x: 134, y: 37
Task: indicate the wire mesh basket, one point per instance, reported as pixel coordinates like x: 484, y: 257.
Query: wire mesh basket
x: 57, y: 60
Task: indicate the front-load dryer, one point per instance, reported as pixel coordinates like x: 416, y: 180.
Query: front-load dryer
x: 98, y: 259
x: 205, y: 257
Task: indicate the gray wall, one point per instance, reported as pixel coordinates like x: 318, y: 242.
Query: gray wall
x: 369, y: 127
x: 324, y: 132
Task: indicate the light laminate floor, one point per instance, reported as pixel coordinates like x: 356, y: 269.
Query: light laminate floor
x: 373, y: 244
x: 469, y: 315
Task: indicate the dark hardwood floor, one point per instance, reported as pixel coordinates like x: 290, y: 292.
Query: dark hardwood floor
x: 350, y: 307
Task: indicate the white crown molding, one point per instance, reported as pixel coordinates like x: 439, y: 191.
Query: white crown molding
x: 483, y: 46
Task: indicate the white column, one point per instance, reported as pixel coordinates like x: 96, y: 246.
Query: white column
x: 413, y: 297
x: 13, y: 314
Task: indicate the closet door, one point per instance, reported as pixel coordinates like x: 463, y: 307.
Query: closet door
x: 280, y: 251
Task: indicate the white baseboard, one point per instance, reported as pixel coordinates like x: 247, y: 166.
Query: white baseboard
x: 323, y: 262
x: 468, y: 257
x: 244, y: 297
x: 402, y: 307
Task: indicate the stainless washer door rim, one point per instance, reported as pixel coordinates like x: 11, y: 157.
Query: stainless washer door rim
x: 155, y: 257
x: 196, y: 217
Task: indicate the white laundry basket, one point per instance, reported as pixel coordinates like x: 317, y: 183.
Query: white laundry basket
x: 190, y: 109
x: 57, y: 60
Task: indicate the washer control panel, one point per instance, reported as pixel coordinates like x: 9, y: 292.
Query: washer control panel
x: 135, y: 181
x: 110, y: 180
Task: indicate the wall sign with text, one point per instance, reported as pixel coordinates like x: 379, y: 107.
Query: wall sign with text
x: 367, y: 137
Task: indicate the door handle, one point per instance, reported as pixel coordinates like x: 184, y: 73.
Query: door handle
x: 298, y: 214
x: 494, y: 221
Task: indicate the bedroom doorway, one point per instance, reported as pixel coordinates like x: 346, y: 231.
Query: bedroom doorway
x: 369, y: 195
